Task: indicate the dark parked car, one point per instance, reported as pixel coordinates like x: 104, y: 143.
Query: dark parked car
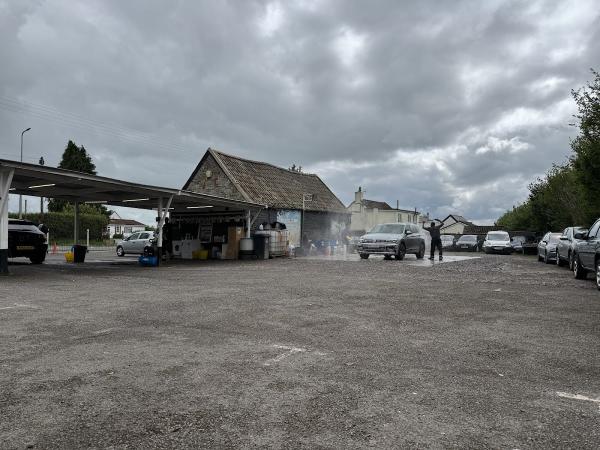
x: 467, y: 243
x: 565, y: 246
x: 546, y: 250
x: 392, y: 239
x: 517, y: 243
x: 586, y: 253
x: 524, y: 242
x: 26, y: 239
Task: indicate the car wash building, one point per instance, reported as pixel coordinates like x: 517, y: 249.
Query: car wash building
x: 300, y: 201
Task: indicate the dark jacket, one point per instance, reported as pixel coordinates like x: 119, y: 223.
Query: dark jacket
x: 434, y: 231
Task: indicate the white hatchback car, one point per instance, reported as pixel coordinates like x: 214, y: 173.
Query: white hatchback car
x: 135, y: 243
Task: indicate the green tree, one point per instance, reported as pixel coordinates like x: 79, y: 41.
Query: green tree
x: 77, y: 159
x: 586, y: 146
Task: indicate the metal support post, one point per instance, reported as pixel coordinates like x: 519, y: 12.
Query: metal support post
x: 248, y: 223
x: 6, y: 177
x: 76, y: 223
x: 162, y: 215
x: 160, y: 232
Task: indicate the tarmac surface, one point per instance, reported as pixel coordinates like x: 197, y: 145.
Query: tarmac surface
x: 484, y: 352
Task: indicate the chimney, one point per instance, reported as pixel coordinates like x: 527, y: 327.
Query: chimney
x: 358, y: 195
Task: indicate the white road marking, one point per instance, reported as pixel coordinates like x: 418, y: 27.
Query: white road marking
x: 579, y: 397
x: 20, y: 305
x: 290, y: 351
x: 105, y: 331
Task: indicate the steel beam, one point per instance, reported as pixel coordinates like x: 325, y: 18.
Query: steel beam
x: 6, y: 176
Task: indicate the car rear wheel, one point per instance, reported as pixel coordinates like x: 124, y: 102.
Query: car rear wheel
x: 578, y: 271
x: 401, y: 252
x: 388, y: 257
x: 120, y: 251
x: 364, y: 256
x: 421, y: 253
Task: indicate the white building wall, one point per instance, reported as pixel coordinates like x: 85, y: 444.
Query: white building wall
x: 368, y: 218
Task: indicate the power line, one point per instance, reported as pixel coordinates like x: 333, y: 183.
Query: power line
x: 68, y: 119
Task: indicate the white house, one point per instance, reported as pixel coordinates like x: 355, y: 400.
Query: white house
x: 455, y: 224
x: 125, y: 227
x: 365, y: 214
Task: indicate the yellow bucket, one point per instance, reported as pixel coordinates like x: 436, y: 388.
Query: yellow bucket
x: 69, y: 257
x: 200, y: 254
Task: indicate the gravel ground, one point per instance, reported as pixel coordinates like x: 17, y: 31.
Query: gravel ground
x: 492, y: 352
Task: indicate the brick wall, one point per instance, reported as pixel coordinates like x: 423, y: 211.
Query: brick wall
x: 217, y: 184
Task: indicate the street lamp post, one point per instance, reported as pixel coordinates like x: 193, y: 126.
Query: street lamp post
x: 20, y: 196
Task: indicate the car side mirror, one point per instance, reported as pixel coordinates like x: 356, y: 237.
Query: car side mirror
x: 580, y: 235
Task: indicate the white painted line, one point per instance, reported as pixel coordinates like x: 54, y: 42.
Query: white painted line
x: 290, y: 351
x: 579, y: 397
x: 20, y: 305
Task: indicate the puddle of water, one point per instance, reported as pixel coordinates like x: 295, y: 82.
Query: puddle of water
x: 410, y: 259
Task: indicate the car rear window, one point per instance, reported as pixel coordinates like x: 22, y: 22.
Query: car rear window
x: 390, y: 228
x: 468, y: 238
x: 497, y: 237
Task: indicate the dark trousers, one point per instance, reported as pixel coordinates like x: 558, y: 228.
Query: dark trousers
x: 436, y: 243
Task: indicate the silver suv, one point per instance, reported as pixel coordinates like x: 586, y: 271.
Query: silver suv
x: 135, y: 243
x: 392, y: 239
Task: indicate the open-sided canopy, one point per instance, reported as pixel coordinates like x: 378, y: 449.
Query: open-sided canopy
x: 51, y: 182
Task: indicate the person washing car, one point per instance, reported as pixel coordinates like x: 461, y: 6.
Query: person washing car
x: 436, y: 240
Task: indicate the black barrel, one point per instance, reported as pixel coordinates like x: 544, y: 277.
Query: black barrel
x: 79, y: 252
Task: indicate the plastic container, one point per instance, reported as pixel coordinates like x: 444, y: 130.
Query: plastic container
x: 79, y: 252
x: 200, y: 254
x: 69, y: 257
x: 148, y: 261
x: 261, y: 245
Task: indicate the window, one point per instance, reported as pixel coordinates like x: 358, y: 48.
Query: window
x: 134, y: 236
x: 144, y: 236
x: 117, y: 229
x: 127, y: 230
x: 594, y: 230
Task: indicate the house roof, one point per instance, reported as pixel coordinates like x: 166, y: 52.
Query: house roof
x: 481, y: 229
x: 371, y: 204
x: 125, y: 222
x: 458, y: 218
x: 274, y: 186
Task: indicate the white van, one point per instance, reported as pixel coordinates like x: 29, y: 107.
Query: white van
x: 497, y: 242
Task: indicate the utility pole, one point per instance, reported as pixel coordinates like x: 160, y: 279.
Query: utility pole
x: 42, y: 162
x: 20, y: 196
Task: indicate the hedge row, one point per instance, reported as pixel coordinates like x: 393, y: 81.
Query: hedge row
x: 61, y: 224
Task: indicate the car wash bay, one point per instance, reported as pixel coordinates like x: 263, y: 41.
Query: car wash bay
x: 77, y: 188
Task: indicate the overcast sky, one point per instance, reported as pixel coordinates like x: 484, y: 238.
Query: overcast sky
x: 450, y: 107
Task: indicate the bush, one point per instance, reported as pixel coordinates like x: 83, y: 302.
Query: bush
x: 61, y: 224
x: 117, y: 236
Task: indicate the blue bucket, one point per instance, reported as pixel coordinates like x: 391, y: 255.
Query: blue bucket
x: 148, y: 261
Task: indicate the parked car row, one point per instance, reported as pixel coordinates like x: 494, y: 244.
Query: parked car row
x: 576, y: 247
